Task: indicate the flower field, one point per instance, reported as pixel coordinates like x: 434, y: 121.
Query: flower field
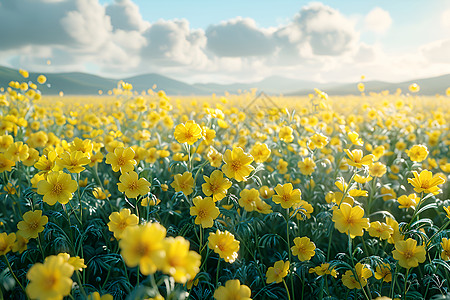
x: 147, y: 196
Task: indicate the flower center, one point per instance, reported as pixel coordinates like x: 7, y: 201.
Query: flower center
x: 236, y: 165
x: 408, y: 254
x: 133, y: 186
x: 57, y: 188
x: 202, y: 214
x: 121, y: 161
x: 33, y: 225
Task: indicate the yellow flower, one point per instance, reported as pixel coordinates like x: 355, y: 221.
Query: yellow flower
x: 307, y: 166
x: 447, y: 210
x: 17, y: 152
x: 100, y: 194
x: 380, y: 230
x: 303, y: 209
x: 414, y: 88
x: 214, y: 157
x: 237, y: 164
x: 144, y: 246
x: 349, y: 220
x: 32, y: 224
x: 6, y: 242
x: 303, y: 248
x: 248, y: 199
x: 418, y: 153
x: 396, y: 235
x: 360, y: 179
x: 119, y: 221
x: 445, y: 254
x: 46, y: 163
x: 59, y: 187
x: 96, y: 296
x: 188, y: 133
x: 355, y: 139
x: 282, y: 166
x: 121, y: 159
x: 224, y: 244
x: 408, y: 201
x: 323, y: 269
x: 76, y: 262
x: 216, y: 185
x: 233, y: 290
x: 266, y: 192
x: 383, y: 272
x: 262, y: 207
x: 286, y: 134
x: 73, y: 162
x: 5, y: 164
x: 351, y: 282
x: 388, y: 193
x: 377, y: 169
x: 357, y: 160
x: 408, y: 254
x: 426, y: 182
x: 180, y: 263
x: 260, y: 152
x: 276, y: 273
x: 318, y: 140
x: 20, y: 244
x: 50, y: 280
x: 378, y: 152
x: 208, y: 135
x: 286, y: 195
x: 132, y: 185
x: 205, y: 211
x: 183, y: 183
x: 41, y: 79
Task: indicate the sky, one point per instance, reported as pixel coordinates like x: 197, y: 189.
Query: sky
x: 229, y: 41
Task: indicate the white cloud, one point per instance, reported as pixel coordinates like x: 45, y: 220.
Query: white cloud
x: 437, y: 52
x: 378, y: 20
x: 445, y: 18
x: 125, y: 15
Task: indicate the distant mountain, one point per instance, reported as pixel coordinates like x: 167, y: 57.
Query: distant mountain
x: 87, y: 84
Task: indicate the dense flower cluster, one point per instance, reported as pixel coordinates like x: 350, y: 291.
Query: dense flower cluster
x: 147, y: 197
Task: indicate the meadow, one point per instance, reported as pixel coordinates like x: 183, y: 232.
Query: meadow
x: 148, y: 196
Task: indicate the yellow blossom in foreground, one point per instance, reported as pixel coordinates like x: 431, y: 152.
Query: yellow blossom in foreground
x: 408, y: 254
x: 17, y: 152
x: 122, y: 159
x: 32, y: 224
x: 248, y: 199
x: 318, y: 140
x: 408, y: 201
x: 132, y: 185
x: 183, y: 183
x: 73, y: 162
x: 180, y: 263
x: 286, y: 195
x: 286, y: 134
x: 143, y: 245
x: 323, y: 269
x: 260, y: 152
x: 224, y: 244
x: 190, y: 132
x: 50, y: 280
x: 356, y: 158
x: 96, y: 296
x: 237, y: 164
x: 5, y: 164
x: 380, y: 230
x: 362, y: 273
x: 59, y: 187
x: 426, y: 182
x: 418, y: 153
x: 205, y: 211
x: 119, y: 221
x: 233, y: 290
x: 303, y: 248
x: 75, y: 261
x: 354, y: 138
x: 445, y: 254
x: 216, y: 185
x: 6, y: 242
x: 349, y: 220
x: 276, y: 273
x: 383, y: 272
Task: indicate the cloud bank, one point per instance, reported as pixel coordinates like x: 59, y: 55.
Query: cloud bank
x: 317, y: 42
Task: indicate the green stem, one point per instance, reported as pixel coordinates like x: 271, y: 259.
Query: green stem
x: 137, y: 276
x: 406, y: 282
x: 217, y: 271
x: 287, y: 290
x: 79, y: 199
x: 14, y: 275
x: 289, y: 250
x: 40, y: 246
